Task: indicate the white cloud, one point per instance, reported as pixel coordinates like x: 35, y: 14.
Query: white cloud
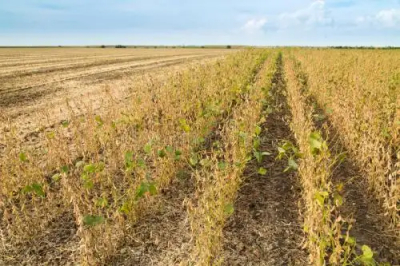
x: 254, y: 25
x: 388, y: 18
x: 315, y: 14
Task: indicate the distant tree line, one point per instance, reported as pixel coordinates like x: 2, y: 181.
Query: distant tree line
x: 364, y: 47
x: 161, y: 46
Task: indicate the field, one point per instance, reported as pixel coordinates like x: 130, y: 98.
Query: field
x: 199, y: 156
x: 36, y: 83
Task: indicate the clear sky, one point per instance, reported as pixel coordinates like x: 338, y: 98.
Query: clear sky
x: 186, y: 22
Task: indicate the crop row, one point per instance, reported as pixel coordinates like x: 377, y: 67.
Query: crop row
x: 106, y: 170
x: 360, y: 96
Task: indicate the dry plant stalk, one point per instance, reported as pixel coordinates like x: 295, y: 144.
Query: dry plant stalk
x: 360, y: 95
x: 105, y: 170
x: 220, y: 173
x: 322, y: 222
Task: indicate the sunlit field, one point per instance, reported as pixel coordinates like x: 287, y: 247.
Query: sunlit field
x: 199, y: 156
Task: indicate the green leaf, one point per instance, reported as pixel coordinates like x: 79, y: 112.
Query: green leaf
x: 38, y: 189
x: 178, y: 154
x: 338, y: 199
x: 147, y: 148
x: 367, y: 252
x: 102, y: 202
x: 169, y: 149
x: 141, y: 162
x: 229, y: 209
x: 128, y: 159
x: 144, y: 188
x: 23, y: 157
x: 340, y: 187
x: 64, y: 169
x: 282, y: 152
x: 85, y: 177
x: 193, y: 160
x: 367, y: 257
x: 141, y: 190
x: 161, y: 153
x: 56, y: 177
x: 89, y: 168
x: 292, y: 165
x: 125, y: 208
x: 199, y: 141
x: 222, y: 165
x: 26, y: 189
x: 262, y: 171
x: 65, y: 123
x: 184, y: 126
x: 316, y: 142
x: 88, y: 184
x: 351, y: 240
x: 258, y: 130
x: 264, y: 101
x: 256, y: 143
x: 152, y: 189
x: 320, y: 197
x: 99, y: 120
x: 100, y: 166
x: 51, y: 135
x: 287, y: 145
x: 258, y: 156
x: 93, y: 220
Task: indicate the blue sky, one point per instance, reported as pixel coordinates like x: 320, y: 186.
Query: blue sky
x: 186, y: 22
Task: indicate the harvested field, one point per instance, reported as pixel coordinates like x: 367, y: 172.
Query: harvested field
x: 37, y: 83
x: 199, y: 156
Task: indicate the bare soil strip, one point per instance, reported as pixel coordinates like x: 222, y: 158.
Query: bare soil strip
x: 37, y: 55
x: 18, y: 83
x: 46, y: 106
x: 16, y: 96
x: 27, y: 68
x: 265, y: 228
x: 22, y: 61
x: 77, y: 65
